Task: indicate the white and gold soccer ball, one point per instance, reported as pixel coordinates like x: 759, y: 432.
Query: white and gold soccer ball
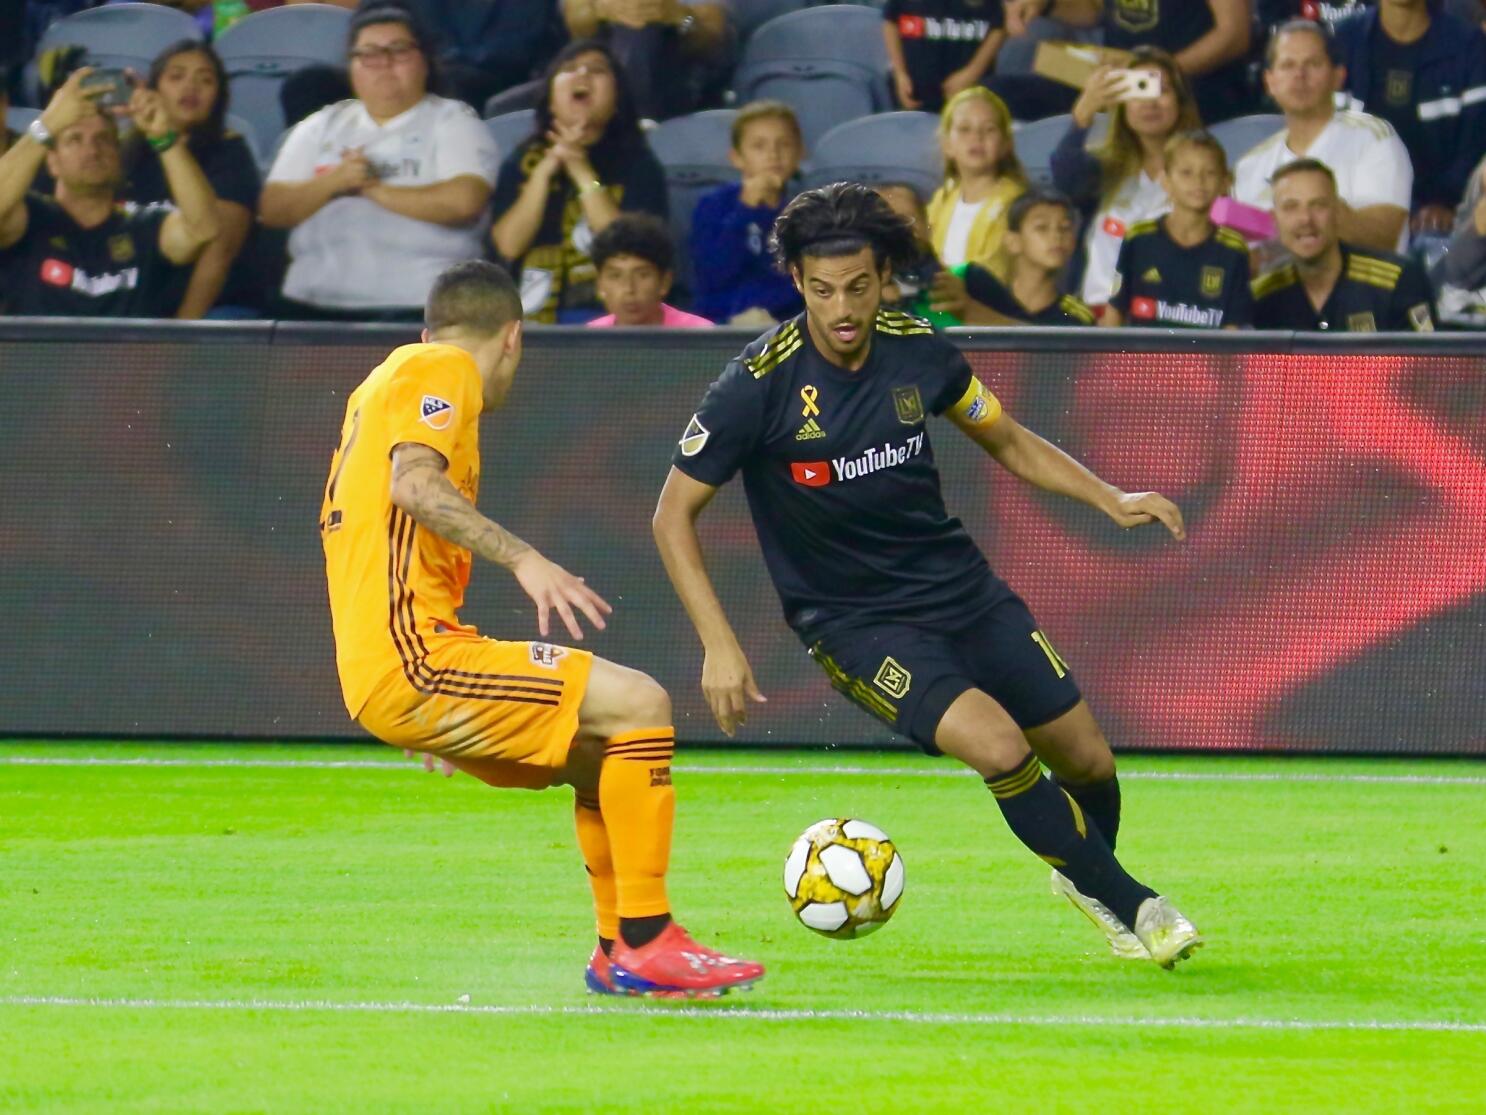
x: 843, y: 878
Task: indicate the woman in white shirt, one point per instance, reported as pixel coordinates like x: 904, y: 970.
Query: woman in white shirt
x: 1122, y: 177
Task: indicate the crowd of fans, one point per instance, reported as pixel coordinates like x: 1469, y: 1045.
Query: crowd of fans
x: 1366, y: 210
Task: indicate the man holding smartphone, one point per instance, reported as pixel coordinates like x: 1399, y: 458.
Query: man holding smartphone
x: 82, y: 252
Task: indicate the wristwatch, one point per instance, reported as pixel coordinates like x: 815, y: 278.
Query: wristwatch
x: 40, y: 132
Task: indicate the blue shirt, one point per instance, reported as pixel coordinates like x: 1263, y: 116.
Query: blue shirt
x: 734, y: 268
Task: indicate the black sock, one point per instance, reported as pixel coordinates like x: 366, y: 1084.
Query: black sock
x: 1051, y: 823
x: 607, y: 944
x: 638, y: 932
x: 1100, y: 802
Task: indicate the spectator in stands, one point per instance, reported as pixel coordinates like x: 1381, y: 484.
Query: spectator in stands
x: 1424, y: 72
x: 192, y: 83
x: 82, y: 253
x: 1181, y: 269
x: 1330, y: 284
x: 982, y: 177
x: 1460, y: 274
x: 938, y: 48
x: 1121, y: 181
x: 1371, y: 165
x: 674, y: 52
x: 908, y: 288
x: 735, y: 271
x: 1209, y: 40
x: 1040, y: 239
x: 636, y: 264
x: 585, y: 163
x: 383, y: 191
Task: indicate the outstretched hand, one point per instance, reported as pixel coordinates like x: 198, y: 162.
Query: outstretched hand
x: 553, y: 588
x: 1133, y: 509
x: 728, y: 685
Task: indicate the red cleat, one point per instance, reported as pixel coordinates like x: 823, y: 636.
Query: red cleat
x: 599, y: 977
x: 674, y: 966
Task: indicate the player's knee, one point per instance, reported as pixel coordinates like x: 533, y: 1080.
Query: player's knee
x: 647, y: 704
x: 1098, y: 766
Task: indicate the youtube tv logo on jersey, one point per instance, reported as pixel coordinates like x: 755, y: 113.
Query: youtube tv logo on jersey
x: 812, y: 474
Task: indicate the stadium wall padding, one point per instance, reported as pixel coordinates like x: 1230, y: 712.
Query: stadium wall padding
x: 162, y: 574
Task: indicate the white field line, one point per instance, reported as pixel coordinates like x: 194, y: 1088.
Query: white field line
x: 690, y: 769
x: 755, y: 1014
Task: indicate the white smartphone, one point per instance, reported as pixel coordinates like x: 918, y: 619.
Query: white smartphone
x: 1137, y: 85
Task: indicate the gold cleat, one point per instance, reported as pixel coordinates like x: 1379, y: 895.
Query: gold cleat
x: 1166, y: 934
x: 1123, y: 943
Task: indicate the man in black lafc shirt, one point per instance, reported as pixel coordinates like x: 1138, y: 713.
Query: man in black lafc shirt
x: 83, y: 253
x: 1331, y: 285
x: 826, y: 417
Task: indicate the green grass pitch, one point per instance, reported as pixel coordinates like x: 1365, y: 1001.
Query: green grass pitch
x: 253, y: 929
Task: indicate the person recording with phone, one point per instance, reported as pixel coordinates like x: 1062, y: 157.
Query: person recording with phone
x: 1120, y: 180
x: 84, y: 252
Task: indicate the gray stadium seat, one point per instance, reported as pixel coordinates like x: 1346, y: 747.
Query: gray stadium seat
x: 266, y: 47
x: 1241, y: 133
x: 119, y: 36
x: 829, y: 64
x: 694, y: 152
x: 1035, y: 142
x: 18, y: 118
x: 889, y: 147
x: 526, y: 95
x: 511, y: 128
x: 244, y: 128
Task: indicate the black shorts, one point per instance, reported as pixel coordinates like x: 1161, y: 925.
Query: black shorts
x: 908, y: 675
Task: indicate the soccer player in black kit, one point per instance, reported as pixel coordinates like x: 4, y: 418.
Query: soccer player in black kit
x: 826, y: 416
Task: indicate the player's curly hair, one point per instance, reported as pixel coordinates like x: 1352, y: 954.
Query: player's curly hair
x: 838, y: 220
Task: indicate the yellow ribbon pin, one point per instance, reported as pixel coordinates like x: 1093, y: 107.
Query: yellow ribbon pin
x: 809, y: 394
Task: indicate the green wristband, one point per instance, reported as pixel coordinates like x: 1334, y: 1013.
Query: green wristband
x: 162, y: 143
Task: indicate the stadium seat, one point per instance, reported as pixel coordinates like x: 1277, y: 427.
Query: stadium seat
x: 829, y: 64
x: 1035, y: 142
x: 119, y: 36
x: 694, y: 152
x: 266, y: 47
x: 511, y: 128
x: 890, y: 147
x: 1243, y: 132
x: 18, y: 118
x: 525, y: 95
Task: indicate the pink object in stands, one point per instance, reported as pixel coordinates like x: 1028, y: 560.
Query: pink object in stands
x: 670, y: 318
x: 1251, y: 222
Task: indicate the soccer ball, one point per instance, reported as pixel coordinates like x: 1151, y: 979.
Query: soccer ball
x: 843, y: 878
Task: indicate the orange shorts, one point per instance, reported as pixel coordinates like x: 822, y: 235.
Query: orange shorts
x: 508, y: 709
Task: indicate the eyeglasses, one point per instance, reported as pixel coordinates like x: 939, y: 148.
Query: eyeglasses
x: 384, y: 55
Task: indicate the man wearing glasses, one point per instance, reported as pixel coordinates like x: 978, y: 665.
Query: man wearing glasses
x: 383, y: 191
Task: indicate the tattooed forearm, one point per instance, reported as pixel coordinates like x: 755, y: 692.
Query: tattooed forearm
x: 422, y: 489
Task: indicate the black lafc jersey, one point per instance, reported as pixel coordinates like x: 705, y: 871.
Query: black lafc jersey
x: 1376, y: 292
x: 840, y: 474
x: 115, y: 269
x: 990, y: 291
x: 1159, y: 282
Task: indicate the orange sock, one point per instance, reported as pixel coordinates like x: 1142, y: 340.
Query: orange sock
x: 639, y: 808
x: 593, y: 842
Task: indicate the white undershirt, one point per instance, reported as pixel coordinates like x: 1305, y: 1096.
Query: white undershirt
x: 957, y: 236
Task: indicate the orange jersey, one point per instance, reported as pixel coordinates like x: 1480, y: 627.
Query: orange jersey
x: 392, y: 582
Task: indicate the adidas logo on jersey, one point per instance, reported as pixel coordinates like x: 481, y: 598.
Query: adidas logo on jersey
x: 1151, y: 276
x: 810, y: 431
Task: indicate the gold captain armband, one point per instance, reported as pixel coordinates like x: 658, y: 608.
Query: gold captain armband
x: 977, y: 406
